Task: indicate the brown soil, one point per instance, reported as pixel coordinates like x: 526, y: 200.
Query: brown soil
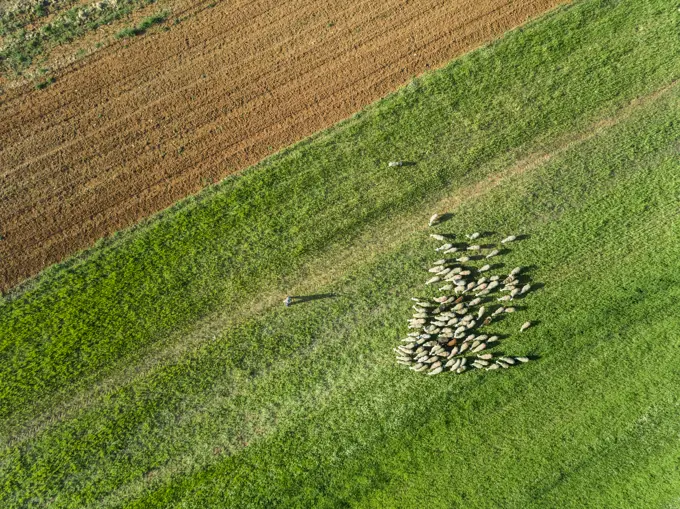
x: 140, y: 124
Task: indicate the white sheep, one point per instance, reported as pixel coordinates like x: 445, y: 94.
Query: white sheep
x: 435, y: 217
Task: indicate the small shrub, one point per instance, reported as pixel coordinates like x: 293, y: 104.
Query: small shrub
x: 147, y: 23
x: 127, y: 32
x: 44, y: 84
x: 40, y: 10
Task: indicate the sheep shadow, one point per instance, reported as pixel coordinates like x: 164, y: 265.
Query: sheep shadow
x: 534, y: 288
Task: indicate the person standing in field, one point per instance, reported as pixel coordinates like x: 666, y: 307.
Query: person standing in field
x: 287, y: 301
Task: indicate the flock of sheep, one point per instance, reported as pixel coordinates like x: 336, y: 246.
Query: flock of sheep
x: 448, y: 331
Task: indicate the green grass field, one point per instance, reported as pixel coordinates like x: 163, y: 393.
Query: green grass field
x: 161, y: 370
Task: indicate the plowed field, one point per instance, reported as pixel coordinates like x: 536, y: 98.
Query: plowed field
x: 141, y: 124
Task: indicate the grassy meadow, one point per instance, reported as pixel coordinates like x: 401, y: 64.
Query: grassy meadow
x: 160, y: 369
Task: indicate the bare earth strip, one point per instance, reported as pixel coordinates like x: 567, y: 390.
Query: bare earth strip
x: 134, y: 128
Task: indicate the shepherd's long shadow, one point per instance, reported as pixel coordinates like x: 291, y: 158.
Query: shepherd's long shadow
x: 299, y: 299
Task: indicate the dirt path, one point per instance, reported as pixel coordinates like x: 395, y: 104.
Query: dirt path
x: 134, y: 128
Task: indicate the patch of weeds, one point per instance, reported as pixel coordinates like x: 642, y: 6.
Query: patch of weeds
x: 126, y: 32
x: 45, y: 83
x: 140, y: 29
x: 18, y: 19
x: 40, y: 10
x: 156, y: 19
